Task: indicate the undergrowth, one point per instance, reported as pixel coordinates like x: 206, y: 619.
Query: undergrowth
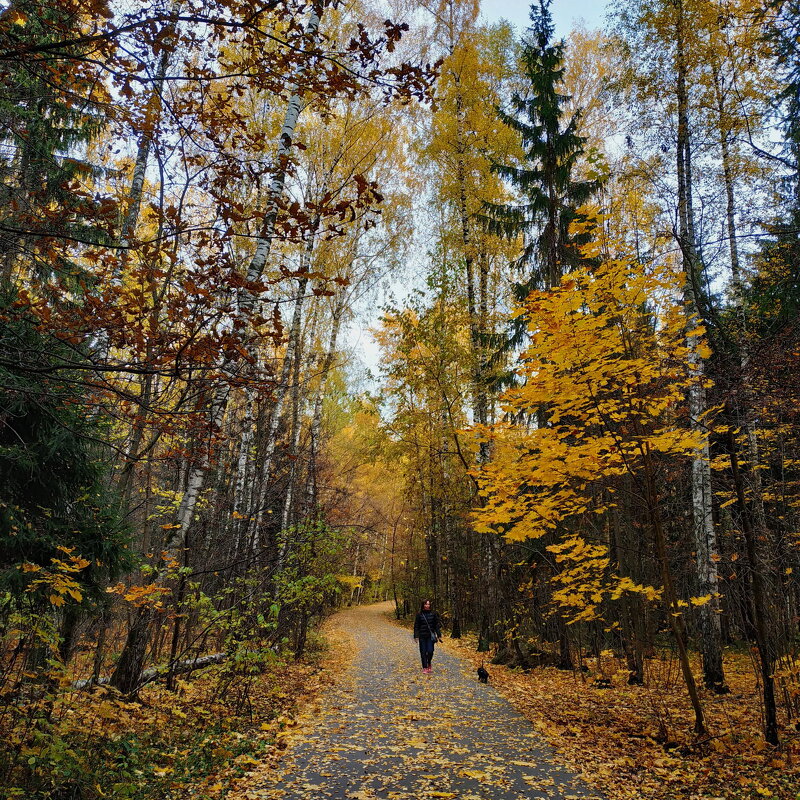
x: 195, y: 741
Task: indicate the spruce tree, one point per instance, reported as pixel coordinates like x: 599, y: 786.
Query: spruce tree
x: 49, y: 110
x: 545, y: 179
x: 54, y: 487
x: 550, y: 193
x: 784, y: 31
x: 54, y: 483
x: 773, y: 298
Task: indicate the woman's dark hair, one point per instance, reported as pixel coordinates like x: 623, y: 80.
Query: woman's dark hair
x: 422, y: 606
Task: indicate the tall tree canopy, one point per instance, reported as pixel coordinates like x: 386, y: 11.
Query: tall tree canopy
x: 547, y: 176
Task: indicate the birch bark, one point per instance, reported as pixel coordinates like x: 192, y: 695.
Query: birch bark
x: 339, y: 305
x: 703, y: 532
x: 282, y: 391
x: 246, y: 299
x: 127, y: 675
x: 295, y: 426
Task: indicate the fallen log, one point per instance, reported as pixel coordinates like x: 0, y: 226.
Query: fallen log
x: 155, y: 673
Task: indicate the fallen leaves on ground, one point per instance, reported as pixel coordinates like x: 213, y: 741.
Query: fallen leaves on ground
x: 387, y: 731
x: 293, y: 725
x: 637, y: 743
x: 197, y: 741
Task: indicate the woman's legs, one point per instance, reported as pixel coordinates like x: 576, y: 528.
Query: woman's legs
x: 425, y: 651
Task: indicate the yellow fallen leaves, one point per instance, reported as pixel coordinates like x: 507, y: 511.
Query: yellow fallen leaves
x: 612, y: 736
x: 478, y: 775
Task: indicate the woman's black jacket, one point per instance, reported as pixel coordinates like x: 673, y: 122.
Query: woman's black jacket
x: 427, y: 622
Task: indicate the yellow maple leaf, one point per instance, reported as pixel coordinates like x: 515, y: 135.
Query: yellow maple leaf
x: 700, y: 601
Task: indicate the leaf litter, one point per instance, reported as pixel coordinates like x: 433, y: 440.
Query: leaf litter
x: 638, y: 743
x: 385, y: 731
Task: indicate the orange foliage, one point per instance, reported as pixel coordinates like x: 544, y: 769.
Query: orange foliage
x: 637, y: 743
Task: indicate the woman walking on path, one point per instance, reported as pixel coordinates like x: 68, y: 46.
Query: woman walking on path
x: 427, y: 631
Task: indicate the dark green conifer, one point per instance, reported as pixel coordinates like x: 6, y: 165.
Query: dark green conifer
x: 773, y: 297
x: 546, y: 176
x: 49, y: 111
x: 54, y: 490
x: 784, y: 31
x: 54, y: 484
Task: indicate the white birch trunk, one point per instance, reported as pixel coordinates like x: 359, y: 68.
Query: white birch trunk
x: 243, y: 474
x: 132, y: 655
x: 291, y: 362
x: 277, y: 408
x: 298, y: 410
x: 294, y: 438
x: 247, y: 300
x: 152, y: 119
x: 704, y: 535
x: 316, y: 419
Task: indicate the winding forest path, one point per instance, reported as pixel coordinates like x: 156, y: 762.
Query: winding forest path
x: 388, y: 731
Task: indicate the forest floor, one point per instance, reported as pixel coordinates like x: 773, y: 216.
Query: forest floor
x: 196, y: 742
x: 384, y: 730
x: 638, y: 743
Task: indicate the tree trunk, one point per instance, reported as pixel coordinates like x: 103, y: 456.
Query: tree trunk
x: 703, y: 525
x: 246, y: 300
x: 100, y: 646
x: 67, y: 634
x: 630, y: 606
x: 131, y: 663
x: 671, y: 607
x: 316, y: 420
x: 564, y: 649
x: 282, y: 392
x: 760, y: 610
x: 152, y: 119
x: 294, y: 439
x: 128, y: 672
x: 295, y: 416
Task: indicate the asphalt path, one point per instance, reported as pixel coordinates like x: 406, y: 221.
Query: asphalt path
x: 386, y: 730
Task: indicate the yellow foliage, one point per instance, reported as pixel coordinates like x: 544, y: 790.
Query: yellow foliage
x: 351, y: 581
x: 602, y: 379
x: 700, y: 601
x: 57, y: 581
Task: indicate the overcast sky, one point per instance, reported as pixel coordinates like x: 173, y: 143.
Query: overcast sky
x: 565, y: 12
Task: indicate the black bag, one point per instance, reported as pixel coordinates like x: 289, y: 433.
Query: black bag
x: 434, y: 638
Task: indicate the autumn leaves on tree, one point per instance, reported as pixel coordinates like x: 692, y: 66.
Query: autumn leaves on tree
x: 580, y: 437
x: 193, y: 205
x: 622, y: 475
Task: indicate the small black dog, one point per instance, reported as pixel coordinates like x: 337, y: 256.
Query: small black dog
x: 483, y: 675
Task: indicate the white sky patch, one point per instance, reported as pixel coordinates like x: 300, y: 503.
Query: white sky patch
x: 566, y: 13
